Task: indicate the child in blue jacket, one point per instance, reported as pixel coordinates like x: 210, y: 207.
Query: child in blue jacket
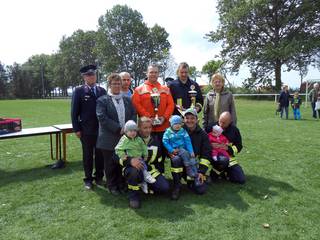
x: 178, y: 143
x: 295, y: 103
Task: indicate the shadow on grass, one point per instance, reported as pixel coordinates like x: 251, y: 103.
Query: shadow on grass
x: 220, y: 195
x: 32, y: 174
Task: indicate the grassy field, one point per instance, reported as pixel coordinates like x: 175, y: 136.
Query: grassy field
x: 280, y: 159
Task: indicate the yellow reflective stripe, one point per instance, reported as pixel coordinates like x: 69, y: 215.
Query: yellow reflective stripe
x: 121, y: 161
x: 189, y: 178
x: 132, y: 187
x: 232, y: 162
x: 235, y: 149
x: 176, y: 170
x: 154, y: 153
x: 205, y: 162
x: 179, y: 102
x: 216, y: 171
x: 154, y: 172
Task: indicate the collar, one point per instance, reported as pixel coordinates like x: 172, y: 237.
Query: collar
x: 157, y: 84
x: 188, y: 82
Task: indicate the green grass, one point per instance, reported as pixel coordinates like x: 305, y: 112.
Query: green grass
x: 280, y: 159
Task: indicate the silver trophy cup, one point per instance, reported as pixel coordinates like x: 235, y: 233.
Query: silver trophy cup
x: 155, y: 98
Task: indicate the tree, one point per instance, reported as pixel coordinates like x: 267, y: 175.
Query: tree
x: 268, y: 34
x: 74, y: 52
x: 194, y: 73
x: 125, y: 43
x: 3, y: 81
x: 211, y: 67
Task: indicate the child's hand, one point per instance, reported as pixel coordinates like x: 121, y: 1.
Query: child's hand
x: 192, y: 155
x: 175, y: 151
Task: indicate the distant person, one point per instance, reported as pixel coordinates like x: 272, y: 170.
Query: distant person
x: 295, y: 104
x: 284, y: 101
x: 313, y: 96
x: 180, y: 89
x: 145, y: 105
x: 113, y: 111
x: 317, y: 105
x: 126, y: 83
x: 85, y: 124
x: 217, y: 101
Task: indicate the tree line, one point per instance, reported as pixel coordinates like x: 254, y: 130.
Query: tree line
x: 269, y: 36
x: 122, y: 42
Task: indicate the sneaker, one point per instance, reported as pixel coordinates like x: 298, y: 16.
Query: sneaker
x: 144, y: 187
x: 148, y: 177
x: 197, y: 181
x: 88, y: 185
x: 134, y: 203
x: 175, y: 193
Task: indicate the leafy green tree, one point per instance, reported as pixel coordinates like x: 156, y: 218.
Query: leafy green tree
x: 268, y: 35
x: 125, y: 43
x: 3, y: 81
x: 211, y: 67
x: 194, y: 73
x: 74, y: 52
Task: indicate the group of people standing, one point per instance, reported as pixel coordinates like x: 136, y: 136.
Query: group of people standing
x: 285, y: 99
x: 127, y: 135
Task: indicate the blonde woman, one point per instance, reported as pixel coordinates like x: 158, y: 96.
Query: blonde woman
x: 216, y: 102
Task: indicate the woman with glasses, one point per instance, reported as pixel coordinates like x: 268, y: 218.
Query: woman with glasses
x: 113, y: 111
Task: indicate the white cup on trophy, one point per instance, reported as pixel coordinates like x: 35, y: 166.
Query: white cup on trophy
x: 155, y: 99
x: 192, y: 94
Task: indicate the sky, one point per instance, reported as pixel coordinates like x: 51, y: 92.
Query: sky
x: 30, y: 27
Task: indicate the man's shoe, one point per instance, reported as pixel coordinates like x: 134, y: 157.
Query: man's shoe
x: 134, y: 203
x: 175, y: 194
x: 88, y: 185
x: 114, y: 191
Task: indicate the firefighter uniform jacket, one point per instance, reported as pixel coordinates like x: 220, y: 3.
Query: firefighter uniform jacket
x: 201, y: 146
x: 142, y: 102
x: 232, y: 133
x: 181, y: 96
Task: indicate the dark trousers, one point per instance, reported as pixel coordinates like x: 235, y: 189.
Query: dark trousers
x: 178, y: 171
x: 112, y: 170
x: 89, y: 151
x: 164, y: 152
x: 284, y: 109
x: 314, y: 112
x: 134, y: 177
x: 234, y: 173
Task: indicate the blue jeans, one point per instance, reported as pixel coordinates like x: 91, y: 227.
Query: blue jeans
x: 189, y: 162
x: 296, y: 113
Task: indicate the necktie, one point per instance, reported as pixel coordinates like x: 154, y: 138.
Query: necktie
x: 217, y: 107
x: 92, y: 90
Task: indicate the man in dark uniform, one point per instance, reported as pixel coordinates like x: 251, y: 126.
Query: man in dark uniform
x: 181, y: 88
x: 202, y: 151
x: 223, y: 167
x: 85, y: 124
